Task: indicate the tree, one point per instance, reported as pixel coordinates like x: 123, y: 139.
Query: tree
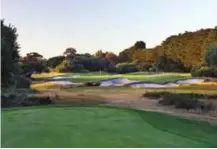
x: 113, y: 58
x: 210, y: 56
x: 100, y: 54
x: 140, y: 45
x: 127, y: 54
x: 9, y: 52
x: 70, y: 53
x: 54, y: 61
x: 33, y: 62
x: 32, y: 57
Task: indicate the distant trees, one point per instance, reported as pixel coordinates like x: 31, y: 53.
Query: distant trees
x: 209, y: 67
x: 183, y: 49
x: 140, y: 45
x: 165, y: 64
x: 9, y: 53
x: 113, y: 58
x: 84, y: 64
x: 100, y: 54
x: 32, y: 57
x: 126, y: 68
x: 210, y: 56
x: 54, y: 61
x: 127, y: 54
x: 33, y: 62
x: 70, y: 52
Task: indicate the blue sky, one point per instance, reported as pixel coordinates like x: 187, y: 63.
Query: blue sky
x: 50, y: 26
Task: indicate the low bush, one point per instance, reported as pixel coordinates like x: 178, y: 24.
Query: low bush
x: 189, y: 95
x: 126, y: 68
x: 36, y: 100
x: 112, y: 70
x: 155, y: 94
x: 186, y: 101
x: 92, y: 84
x: 204, y: 71
x: 19, y: 98
x: 84, y: 71
x: 146, y: 66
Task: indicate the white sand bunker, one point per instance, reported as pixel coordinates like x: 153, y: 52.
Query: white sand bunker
x: 115, y: 82
x: 64, y: 77
x: 152, y: 85
x: 62, y: 82
x: 163, y: 85
x: 190, y: 81
x: 139, y: 84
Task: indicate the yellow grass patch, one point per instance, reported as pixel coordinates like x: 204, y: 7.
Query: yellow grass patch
x: 200, y: 84
x: 45, y: 75
x: 46, y: 85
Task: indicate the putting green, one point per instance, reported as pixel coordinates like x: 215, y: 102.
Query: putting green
x: 101, y: 127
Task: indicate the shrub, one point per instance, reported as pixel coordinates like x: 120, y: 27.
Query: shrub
x: 166, y: 64
x: 204, y: 71
x: 36, y: 100
x: 54, y: 61
x: 84, y: 71
x: 186, y: 101
x: 126, y: 67
x: 92, y: 84
x: 18, y: 98
x: 146, y: 66
x: 63, y: 67
x: 155, y: 94
x: 168, y: 99
x: 112, y: 70
x: 210, y: 56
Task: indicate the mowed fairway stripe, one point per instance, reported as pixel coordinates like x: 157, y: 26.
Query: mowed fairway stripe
x: 101, y: 127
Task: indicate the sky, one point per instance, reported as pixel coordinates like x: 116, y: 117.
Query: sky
x: 50, y: 26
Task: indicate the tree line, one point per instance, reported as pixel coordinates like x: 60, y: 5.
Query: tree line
x: 187, y: 52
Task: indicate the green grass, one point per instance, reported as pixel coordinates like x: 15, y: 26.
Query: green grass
x: 142, y: 77
x: 101, y: 127
x: 95, y: 76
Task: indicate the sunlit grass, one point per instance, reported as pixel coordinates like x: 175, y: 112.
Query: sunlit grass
x: 46, y: 75
x: 46, y: 85
x: 51, y: 127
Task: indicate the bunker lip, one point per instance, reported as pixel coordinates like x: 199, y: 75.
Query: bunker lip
x: 115, y: 82
x: 61, y: 78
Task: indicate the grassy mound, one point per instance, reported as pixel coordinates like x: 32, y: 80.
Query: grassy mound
x: 101, y: 127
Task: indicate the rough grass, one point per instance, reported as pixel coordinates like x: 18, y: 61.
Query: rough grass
x: 101, y: 127
x: 189, y: 95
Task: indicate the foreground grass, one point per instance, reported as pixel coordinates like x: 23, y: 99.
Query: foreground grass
x: 101, y: 127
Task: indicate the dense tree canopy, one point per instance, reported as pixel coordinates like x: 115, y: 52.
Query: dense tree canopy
x: 70, y: 52
x: 127, y: 54
x: 210, y: 56
x: 186, y: 48
x: 113, y: 58
x: 33, y: 62
x: 54, y: 61
x: 9, y: 52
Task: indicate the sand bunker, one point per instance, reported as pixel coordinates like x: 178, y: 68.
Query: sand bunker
x: 139, y: 84
x: 64, y: 77
x: 152, y: 85
x: 62, y: 82
x: 115, y: 82
x: 65, y: 80
x: 190, y: 81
